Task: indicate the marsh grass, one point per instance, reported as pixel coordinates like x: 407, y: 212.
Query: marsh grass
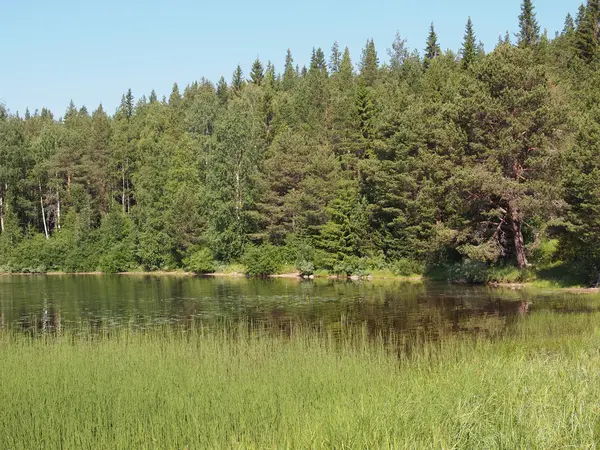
x: 537, y: 385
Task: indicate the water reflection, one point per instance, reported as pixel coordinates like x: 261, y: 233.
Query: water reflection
x: 51, y: 303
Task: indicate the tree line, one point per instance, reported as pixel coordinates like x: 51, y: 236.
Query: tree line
x: 405, y: 160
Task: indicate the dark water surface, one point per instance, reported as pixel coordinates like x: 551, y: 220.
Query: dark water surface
x: 42, y: 302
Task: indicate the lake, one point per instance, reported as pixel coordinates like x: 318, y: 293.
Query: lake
x: 48, y: 302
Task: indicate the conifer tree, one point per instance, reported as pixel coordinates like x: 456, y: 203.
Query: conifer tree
x: 237, y: 81
x: 222, y: 90
x: 580, y: 16
x: 529, y: 30
x: 175, y: 97
x: 128, y: 104
x: 569, y: 27
x: 317, y: 61
x: 335, y: 59
x: 289, y: 73
x: 587, y: 35
x: 432, y: 50
x: 153, y: 97
x: 257, y: 73
x: 469, y: 48
x: 369, y: 63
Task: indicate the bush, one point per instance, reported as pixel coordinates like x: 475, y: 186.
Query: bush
x: 406, y: 267
x: 351, y: 265
x: 545, y: 253
x: 118, y: 259
x: 262, y: 261
x: 199, y: 261
x: 305, y: 267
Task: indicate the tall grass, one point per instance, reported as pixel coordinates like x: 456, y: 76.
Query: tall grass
x: 538, y: 386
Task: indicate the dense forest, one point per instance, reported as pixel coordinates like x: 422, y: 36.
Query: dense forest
x: 405, y: 162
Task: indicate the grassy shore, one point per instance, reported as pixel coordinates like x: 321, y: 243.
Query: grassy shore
x: 536, y: 387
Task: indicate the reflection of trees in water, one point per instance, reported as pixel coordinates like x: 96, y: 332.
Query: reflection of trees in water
x: 383, y: 309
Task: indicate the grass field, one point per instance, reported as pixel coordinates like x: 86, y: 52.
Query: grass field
x: 538, y: 386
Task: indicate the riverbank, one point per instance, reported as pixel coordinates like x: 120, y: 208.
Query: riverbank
x: 228, y: 274
x: 535, y: 387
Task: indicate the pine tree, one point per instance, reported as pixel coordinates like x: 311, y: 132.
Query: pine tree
x: 469, y: 48
x: 432, y: 50
x: 335, y: 59
x: 529, y: 30
x: 153, y: 97
x: 369, y: 63
x: 257, y: 73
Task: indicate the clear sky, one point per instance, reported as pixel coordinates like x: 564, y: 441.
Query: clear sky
x: 92, y: 51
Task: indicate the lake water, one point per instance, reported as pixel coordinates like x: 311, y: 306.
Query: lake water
x: 39, y: 302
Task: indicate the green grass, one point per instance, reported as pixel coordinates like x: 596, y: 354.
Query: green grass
x: 535, y: 387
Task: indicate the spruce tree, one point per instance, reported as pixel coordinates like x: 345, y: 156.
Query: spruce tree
x: 237, y: 81
x: 369, y: 63
x: 317, y: 62
x: 569, y: 27
x: 335, y: 59
x: 175, y: 97
x: 222, y: 90
x: 432, y: 50
x: 529, y: 30
x: 153, y: 97
x: 289, y: 73
x: 469, y: 48
x: 129, y: 104
x: 257, y: 73
x: 586, y: 39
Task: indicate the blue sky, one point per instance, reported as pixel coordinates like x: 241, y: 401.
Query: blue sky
x: 91, y: 52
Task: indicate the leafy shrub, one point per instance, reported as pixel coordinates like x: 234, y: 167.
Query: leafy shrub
x: 406, y: 267
x: 262, y: 261
x: 546, y: 252
x: 199, y: 261
x: 305, y: 267
x: 118, y: 259
x: 351, y: 265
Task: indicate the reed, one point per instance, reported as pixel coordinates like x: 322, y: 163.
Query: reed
x: 536, y: 386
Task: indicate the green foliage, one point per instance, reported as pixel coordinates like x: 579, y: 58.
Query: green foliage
x: 529, y: 30
x: 199, y: 261
x: 262, y: 260
x: 407, y: 267
x: 479, y: 157
x: 469, y: 271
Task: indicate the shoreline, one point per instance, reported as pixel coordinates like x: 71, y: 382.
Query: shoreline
x: 160, y: 273
x: 297, y: 276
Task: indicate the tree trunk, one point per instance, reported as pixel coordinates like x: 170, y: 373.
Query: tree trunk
x: 1, y: 215
x: 43, y: 212
x: 57, y: 210
x: 517, y: 229
x: 123, y: 194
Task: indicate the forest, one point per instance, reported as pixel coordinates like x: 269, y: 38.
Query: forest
x: 468, y: 162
